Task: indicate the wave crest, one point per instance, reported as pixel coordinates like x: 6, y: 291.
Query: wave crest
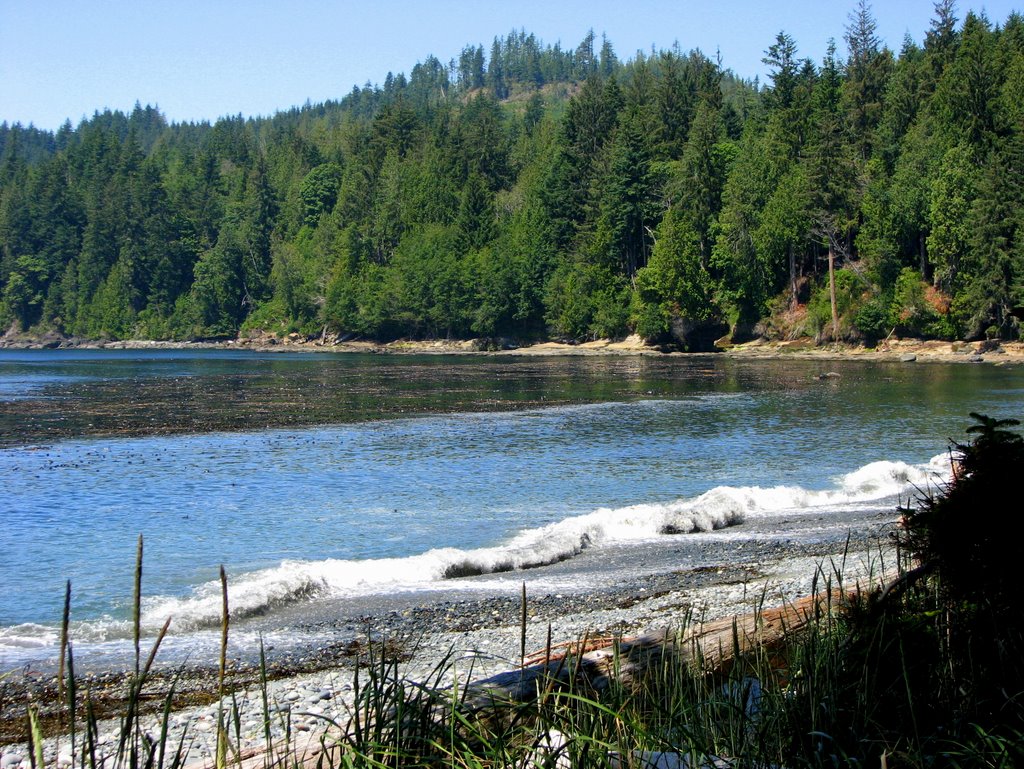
x: 261, y: 592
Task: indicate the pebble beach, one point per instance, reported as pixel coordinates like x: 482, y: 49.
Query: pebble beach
x: 311, y: 690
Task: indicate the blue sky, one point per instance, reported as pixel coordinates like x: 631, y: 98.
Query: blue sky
x: 201, y: 59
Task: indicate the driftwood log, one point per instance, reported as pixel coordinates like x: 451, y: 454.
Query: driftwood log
x: 593, y: 665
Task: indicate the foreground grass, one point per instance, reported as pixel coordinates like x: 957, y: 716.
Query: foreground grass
x: 926, y: 671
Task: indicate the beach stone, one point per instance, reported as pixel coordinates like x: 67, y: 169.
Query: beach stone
x: 326, y: 694
x: 64, y: 758
x: 8, y: 760
x: 551, y: 751
x: 908, y: 358
x: 293, y: 696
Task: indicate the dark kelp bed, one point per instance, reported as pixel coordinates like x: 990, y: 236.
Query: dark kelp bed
x: 228, y: 391
x: 59, y: 394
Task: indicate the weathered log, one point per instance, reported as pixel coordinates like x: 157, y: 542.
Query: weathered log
x: 625, y: 661
x: 591, y: 665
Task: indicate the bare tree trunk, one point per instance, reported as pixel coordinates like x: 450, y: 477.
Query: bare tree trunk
x: 832, y: 290
x: 792, y: 277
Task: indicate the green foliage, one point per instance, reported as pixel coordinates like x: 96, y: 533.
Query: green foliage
x: 288, y: 278
x: 476, y: 220
x: 356, y: 301
x: 651, y: 320
x: 743, y: 264
x: 320, y: 192
x: 273, y: 316
x: 704, y: 168
x: 23, y: 294
x: 217, y: 295
x: 611, y: 312
x: 911, y: 313
x: 675, y: 283
x: 975, y: 567
x: 912, y: 308
x: 995, y: 265
x: 428, y: 294
x: 553, y: 173
x: 110, y: 314
x: 874, y: 319
x: 586, y: 301
x: 850, y: 296
x: 952, y: 194
x: 627, y: 202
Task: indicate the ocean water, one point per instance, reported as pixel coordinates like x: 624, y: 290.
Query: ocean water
x: 318, y: 477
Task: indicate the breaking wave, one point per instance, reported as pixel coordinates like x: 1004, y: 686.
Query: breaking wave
x: 261, y: 592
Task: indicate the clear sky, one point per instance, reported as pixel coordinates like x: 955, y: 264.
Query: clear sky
x: 201, y: 59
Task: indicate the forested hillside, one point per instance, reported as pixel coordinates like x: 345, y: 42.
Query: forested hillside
x: 528, y: 191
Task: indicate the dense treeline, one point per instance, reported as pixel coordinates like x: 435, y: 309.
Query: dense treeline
x: 529, y: 191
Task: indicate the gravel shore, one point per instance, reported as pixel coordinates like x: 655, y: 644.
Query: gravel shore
x: 311, y: 685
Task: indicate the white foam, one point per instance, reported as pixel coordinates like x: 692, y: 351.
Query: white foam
x: 261, y: 591
x: 28, y: 635
x: 717, y: 508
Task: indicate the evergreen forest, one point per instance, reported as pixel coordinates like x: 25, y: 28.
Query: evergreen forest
x: 528, y: 191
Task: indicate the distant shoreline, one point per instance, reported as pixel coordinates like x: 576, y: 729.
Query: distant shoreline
x: 899, y: 350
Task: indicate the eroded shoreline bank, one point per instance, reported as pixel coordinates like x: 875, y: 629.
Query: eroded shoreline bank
x: 901, y: 350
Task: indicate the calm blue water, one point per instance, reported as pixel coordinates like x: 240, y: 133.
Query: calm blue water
x: 378, y: 505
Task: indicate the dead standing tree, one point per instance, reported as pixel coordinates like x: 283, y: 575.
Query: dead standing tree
x: 828, y: 231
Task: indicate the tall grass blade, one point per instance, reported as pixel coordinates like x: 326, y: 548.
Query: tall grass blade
x: 522, y: 630
x: 137, y: 605
x: 91, y: 731
x: 165, y: 722
x: 72, y: 700
x: 35, y: 738
x: 265, y: 696
x: 222, y: 734
x: 64, y: 624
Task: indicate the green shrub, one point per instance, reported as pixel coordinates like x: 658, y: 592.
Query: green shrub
x: 961, y: 540
x: 850, y: 289
x: 273, y: 317
x: 650, y: 319
x: 912, y: 314
x: 873, y: 319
